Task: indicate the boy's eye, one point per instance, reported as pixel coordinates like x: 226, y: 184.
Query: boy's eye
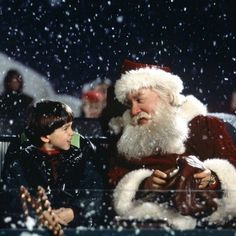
x: 65, y: 128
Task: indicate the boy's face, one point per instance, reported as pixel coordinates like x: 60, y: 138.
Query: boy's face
x: 60, y: 139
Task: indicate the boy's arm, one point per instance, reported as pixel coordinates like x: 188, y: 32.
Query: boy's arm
x: 13, y: 174
x: 87, y: 207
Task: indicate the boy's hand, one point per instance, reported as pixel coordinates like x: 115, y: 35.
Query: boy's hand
x: 64, y: 215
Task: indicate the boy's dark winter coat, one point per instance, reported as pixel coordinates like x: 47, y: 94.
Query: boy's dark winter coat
x: 60, y: 175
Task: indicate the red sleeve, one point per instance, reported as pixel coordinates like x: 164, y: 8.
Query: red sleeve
x: 210, y: 139
x: 115, y: 174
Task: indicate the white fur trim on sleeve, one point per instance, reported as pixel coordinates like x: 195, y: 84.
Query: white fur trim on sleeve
x: 226, y: 173
x: 129, y: 208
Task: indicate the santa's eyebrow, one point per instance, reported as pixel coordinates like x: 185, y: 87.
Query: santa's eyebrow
x: 140, y: 94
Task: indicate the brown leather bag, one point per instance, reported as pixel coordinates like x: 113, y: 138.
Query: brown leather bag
x: 188, y: 199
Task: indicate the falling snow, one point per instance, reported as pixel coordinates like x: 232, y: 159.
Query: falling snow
x: 77, y: 42
x: 66, y: 41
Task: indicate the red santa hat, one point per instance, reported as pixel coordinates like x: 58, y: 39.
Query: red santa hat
x: 138, y: 75
x: 131, y: 65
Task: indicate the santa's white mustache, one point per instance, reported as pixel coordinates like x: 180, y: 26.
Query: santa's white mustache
x: 141, y: 115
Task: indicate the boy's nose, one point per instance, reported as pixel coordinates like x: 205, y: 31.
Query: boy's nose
x: 71, y: 131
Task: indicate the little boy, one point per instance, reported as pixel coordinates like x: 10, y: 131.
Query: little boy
x: 49, y: 160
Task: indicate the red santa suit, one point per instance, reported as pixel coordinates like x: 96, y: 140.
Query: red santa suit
x: 207, y: 139
x: 210, y: 142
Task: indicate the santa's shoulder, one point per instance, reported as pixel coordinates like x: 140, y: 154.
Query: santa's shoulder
x: 212, y: 125
x: 192, y: 107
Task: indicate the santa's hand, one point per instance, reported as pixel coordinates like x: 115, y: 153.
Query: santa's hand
x: 204, y: 178
x: 157, y: 180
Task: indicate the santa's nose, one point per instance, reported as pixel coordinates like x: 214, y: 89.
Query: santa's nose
x: 134, y: 110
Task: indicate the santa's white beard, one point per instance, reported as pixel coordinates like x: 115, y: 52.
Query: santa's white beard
x: 164, y: 133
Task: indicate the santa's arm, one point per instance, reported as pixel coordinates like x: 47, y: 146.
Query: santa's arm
x: 223, y: 143
x: 115, y: 174
x: 222, y: 163
x: 215, y: 148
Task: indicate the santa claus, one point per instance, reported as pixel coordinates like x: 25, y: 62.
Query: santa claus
x: 161, y: 127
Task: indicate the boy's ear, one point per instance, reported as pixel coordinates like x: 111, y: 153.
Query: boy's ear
x: 44, y: 139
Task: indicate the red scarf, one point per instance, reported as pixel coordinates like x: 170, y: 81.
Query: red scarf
x: 53, y: 161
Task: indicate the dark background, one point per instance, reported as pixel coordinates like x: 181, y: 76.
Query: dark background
x: 74, y: 42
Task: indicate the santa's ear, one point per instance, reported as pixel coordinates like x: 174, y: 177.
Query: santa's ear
x: 44, y: 139
x: 176, y: 99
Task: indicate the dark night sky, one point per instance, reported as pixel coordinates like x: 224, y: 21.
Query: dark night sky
x: 74, y: 42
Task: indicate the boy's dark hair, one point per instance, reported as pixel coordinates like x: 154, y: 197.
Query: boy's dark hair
x: 11, y: 74
x: 44, y: 117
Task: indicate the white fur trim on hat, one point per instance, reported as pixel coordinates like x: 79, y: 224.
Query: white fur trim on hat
x: 129, y: 208
x: 146, y: 78
x: 116, y: 124
x: 226, y: 173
